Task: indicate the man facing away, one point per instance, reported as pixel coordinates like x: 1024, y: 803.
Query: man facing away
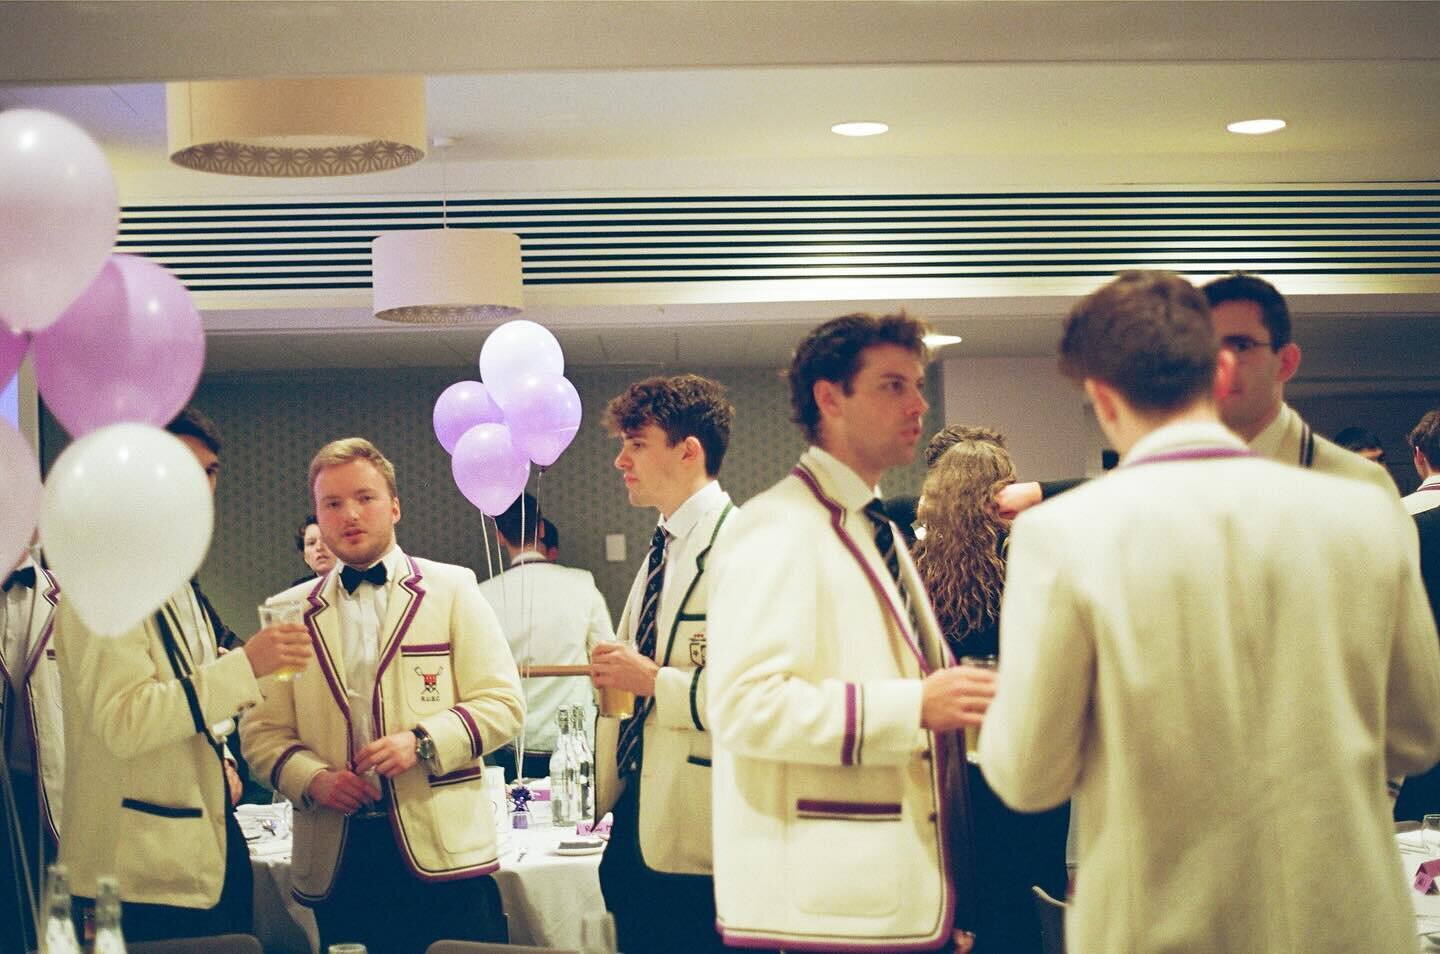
x: 378, y: 742
x: 1424, y: 442
x: 1252, y: 321
x: 551, y: 615
x: 1219, y: 656
x: 149, y: 787
x: 653, y: 769
x: 837, y: 793
x: 33, y: 734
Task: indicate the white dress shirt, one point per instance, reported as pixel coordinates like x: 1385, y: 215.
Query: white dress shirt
x: 362, y: 614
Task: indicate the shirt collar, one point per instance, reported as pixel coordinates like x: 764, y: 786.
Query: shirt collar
x: 528, y: 556
x: 838, y: 480
x: 688, y: 514
x: 1268, y: 443
x: 1183, y: 436
x: 1430, y: 481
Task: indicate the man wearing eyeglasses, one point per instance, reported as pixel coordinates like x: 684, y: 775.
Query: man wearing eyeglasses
x: 1251, y: 321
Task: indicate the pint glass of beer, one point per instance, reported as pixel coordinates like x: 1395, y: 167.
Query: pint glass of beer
x: 972, y: 732
x: 284, y: 611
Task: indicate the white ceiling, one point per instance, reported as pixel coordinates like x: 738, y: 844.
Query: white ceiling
x: 720, y: 97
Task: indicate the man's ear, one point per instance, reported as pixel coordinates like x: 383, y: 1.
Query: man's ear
x: 1225, y: 363
x: 1102, y: 396
x: 1289, y: 362
x: 693, y: 450
x: 827, y: 395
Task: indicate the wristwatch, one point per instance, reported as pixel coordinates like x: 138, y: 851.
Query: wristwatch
x: 425, y: 748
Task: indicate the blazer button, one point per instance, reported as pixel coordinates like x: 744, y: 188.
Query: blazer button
x: 934, y: 818
x: 926, y: 755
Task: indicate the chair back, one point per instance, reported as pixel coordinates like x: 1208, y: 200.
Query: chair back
x: 1052, y: 921
x: 221, y: 944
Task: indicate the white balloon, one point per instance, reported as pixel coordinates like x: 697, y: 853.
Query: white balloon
x: 126, y: 521
x: 58, y: 216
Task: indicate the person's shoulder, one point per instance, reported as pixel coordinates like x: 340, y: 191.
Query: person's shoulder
x: 447, y: 572
x: 298, y: 590
x: 1331, y: 458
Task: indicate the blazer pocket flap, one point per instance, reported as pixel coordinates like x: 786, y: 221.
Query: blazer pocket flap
x: 161, y: 811
x: 849, y: 811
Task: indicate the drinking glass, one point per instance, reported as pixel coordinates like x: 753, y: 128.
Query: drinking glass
x: 1430, y: 835
x: 284, y: 611
x: 972, y: 732
x: 618, y: 703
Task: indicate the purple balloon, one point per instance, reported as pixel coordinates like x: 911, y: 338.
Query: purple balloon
x: 460, y: 407
x: 130, y: 349
x: 12, y: 352
x: 515, y: 350
x: 489, y: 470
x: 543, y: 414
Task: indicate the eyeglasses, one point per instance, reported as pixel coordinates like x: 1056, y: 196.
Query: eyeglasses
x: 1243, y: 344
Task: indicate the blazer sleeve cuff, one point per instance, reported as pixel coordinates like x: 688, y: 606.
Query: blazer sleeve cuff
x: 294, y: 770
x: 886, y: 721
x: 680, y: 699
x: 227, y: 685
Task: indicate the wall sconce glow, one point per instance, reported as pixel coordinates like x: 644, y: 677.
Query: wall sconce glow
x: 933, y: 341
x: 859, y: 129
x: 1256, y: 127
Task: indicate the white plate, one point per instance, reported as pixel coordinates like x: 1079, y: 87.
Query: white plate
x: 587, y: 850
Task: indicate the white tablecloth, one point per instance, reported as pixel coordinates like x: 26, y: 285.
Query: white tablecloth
x: 1427, y: 906
x: 545, y: 895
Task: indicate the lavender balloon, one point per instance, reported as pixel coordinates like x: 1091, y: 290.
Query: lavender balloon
x: 12, y: 352
x: 460, y: 407
x: 543, y: 414
x: 20, y: 476
x: 489, y: 470
x: 129, y: 349
x: 515, y: 350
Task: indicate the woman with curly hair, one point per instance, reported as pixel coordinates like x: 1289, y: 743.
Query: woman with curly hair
x: 962, y: 560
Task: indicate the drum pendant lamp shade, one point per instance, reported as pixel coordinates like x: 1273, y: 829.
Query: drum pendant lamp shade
x: 321, y: 126
x: 446, y: 276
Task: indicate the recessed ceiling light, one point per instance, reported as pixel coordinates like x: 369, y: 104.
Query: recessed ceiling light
x: 933, y: 341
x: 442, y: 142
x: 1256, y: 127
x: 859, y: 129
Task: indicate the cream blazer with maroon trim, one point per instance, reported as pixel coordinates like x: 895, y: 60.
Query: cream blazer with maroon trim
x: 41, y: 696
x: 675, y: 771
x: 830, y: 826
x: 444, y: 666
x: 145, y: 795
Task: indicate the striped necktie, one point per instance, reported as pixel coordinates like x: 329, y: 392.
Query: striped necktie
x: 885, y: 543
x: 627, y: 750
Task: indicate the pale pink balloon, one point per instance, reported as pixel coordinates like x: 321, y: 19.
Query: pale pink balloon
x: 130, y: 349
x: 488, y: 468
x: 58, y: 215
x: 460, y: 407
x: 543, y: 412
x: 12, y: 351
x: 20, y: 476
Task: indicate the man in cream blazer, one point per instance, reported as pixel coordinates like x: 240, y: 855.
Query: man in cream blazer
x: 1223, y: 686
x: 147, y: 715
x: 838, y: 793
x: 653, y: 769
x: 32, y: 730
x: 379, y: 742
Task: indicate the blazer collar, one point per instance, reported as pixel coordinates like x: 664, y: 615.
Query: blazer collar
x: 1185, y: 436
x: 840, y: 483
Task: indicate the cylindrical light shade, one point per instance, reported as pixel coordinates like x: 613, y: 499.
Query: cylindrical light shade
x: 436, y: 276
x: 325, y: 126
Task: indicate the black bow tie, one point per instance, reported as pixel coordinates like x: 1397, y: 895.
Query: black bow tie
x: 351, y: 578
x: 25, y: 576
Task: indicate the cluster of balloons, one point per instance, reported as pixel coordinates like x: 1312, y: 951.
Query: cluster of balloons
x: 523, y: 410
x: 117, y: 347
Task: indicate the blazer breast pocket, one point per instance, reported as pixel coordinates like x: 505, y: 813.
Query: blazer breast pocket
x: 426, y: 678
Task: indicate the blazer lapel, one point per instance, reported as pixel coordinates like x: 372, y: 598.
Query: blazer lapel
x: 42, y: 622
x: 322, y: 619
x: 404, y: 603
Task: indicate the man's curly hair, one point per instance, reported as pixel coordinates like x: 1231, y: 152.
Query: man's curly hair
x: 683, y: 405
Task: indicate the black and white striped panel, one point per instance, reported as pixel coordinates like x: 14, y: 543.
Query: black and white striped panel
x: 324, y: 245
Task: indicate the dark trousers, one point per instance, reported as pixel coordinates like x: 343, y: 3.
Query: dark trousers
x: 17, y: 922
x: 655, y: 913
x: 537, y: 764
x: 232, y: 914
x: 377, y: 902
x: 1013, y: 850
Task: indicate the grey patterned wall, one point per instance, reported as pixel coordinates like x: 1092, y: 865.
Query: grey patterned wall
x: 273, y: 422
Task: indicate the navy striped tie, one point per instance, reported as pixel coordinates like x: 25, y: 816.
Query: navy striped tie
x: 885, y: 543
x: 628, y: 749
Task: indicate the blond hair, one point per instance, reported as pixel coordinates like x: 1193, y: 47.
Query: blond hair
x: 959, y: 558
x: 350, y: 449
